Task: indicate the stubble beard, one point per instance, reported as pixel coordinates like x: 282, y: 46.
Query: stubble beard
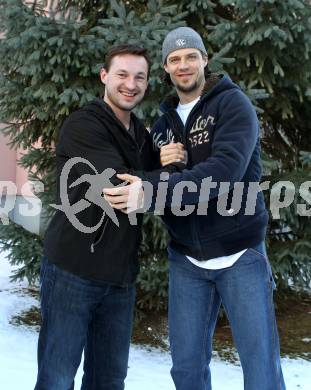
x: 192, y: 87
x: 189, y: 88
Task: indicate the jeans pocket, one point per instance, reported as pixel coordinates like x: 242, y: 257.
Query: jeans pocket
x: 268, y: 265
x: 248, y: 258
x: 271, y: 278
x: 257, y: 252
x: 260, y: 249
x: 272, y: 282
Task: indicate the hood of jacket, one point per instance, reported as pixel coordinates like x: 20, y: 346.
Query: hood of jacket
x: 214, y: 85
x: 103, y: 111
x: 123, y: 140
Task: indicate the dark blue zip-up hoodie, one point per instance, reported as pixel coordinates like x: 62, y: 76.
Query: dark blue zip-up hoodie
x: 221, y: 136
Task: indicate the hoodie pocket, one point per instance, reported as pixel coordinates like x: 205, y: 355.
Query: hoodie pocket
x: 213, y: 224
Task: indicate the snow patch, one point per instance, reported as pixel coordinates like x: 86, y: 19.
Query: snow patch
x: 149, y: 368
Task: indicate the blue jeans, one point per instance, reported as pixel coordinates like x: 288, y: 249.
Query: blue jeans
x: 80, y: 314
x: 246, y: 291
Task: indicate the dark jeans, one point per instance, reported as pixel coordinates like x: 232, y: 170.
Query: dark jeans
x: 246, y: 291
x: 80, y: 314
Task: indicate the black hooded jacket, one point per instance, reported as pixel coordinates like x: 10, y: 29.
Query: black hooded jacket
x: 99, y: 140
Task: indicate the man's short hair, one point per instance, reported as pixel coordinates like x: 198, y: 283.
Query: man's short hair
x: 126, y: 49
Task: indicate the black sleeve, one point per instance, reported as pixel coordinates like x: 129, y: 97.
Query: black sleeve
x: 82, y: 137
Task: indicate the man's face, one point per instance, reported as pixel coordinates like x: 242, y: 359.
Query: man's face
x: 186, y: 69
x: 125, y: 82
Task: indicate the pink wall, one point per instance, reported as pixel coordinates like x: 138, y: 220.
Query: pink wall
x: 9, y: 170
x: 7, y: 160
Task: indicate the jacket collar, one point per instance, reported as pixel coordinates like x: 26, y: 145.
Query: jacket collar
x: 139, y: 128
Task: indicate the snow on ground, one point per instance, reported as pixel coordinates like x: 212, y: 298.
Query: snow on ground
x: 148, y: 368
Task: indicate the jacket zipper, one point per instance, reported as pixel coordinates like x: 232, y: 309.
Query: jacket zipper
x: 142, y: 145
x: 193, y: 226
x: 185, y: 128
x: 140, y: 148
x: 92, y: 248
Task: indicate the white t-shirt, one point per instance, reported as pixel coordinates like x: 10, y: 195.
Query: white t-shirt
x: 183, y: 110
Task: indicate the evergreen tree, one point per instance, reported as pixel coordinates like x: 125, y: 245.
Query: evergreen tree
x: 271, y: 43
x: 49, y: 67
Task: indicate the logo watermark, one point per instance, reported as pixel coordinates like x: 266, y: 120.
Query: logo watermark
x: 31, y: 207
x: 230, y: 199
x: 97, y: 182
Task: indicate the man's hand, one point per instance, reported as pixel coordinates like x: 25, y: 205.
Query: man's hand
x: 173, y: 152
x: 128, y: 198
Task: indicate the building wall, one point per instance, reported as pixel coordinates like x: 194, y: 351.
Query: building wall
x: 7, y: 158
x: 17, y: 198
x: 10, y: 171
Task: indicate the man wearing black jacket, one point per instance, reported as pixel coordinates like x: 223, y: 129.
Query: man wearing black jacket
x: 90, y: 263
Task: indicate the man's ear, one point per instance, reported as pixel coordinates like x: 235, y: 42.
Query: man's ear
x: 103, y: 75
x: 205, y: 59
x: 165, y: 68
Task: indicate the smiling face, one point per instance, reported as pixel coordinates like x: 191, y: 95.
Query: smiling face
x: 125, y: 82
x: 186, y: 69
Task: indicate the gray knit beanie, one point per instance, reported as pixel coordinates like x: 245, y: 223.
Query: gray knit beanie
x: 182, y: 38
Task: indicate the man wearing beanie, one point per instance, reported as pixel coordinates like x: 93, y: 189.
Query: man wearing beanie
x: 217, y: 252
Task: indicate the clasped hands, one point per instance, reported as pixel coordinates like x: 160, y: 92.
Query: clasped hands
x: 130, y: 198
